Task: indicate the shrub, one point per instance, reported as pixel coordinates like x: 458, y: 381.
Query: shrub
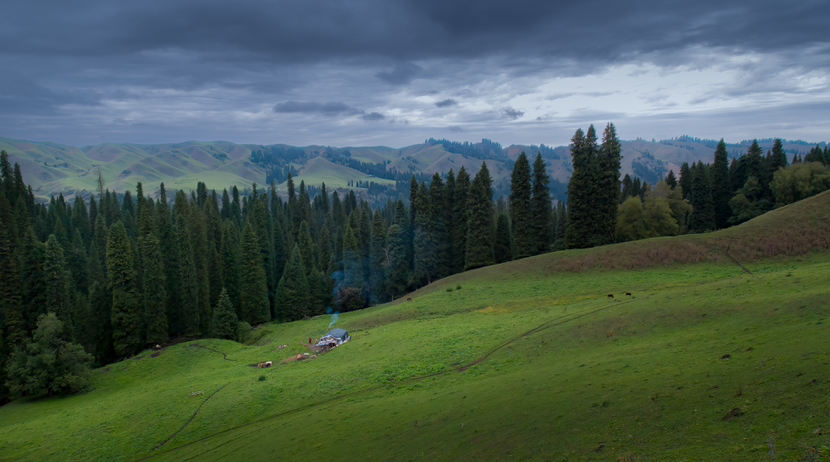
x: 47, y: 364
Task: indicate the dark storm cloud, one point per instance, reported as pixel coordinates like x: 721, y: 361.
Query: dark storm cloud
x: 402, y: 73
x: 511, y: 113
x: 334, y: 108
x: 373, y: 116
x: 405, y: 30
x: 327, y: 109
x: 446, y: 103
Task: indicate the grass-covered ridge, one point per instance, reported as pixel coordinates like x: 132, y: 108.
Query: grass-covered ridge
x: 527, y: 360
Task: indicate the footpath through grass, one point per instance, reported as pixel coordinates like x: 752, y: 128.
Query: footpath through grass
x: 700, y: 362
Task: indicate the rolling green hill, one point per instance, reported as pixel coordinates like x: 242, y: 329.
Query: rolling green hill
x: 700, y: 347
x: 52, y: 168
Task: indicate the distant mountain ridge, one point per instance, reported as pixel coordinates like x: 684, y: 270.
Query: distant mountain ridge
x: 53, y: 168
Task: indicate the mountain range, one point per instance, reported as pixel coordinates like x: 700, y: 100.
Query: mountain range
x: 52, y: 168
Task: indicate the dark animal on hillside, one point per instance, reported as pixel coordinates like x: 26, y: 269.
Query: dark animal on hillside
x: 610, y: 295
x: 409, y: 299
x: 628, y: 293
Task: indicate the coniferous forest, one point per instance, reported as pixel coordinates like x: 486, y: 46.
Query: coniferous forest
x: 92, y: 281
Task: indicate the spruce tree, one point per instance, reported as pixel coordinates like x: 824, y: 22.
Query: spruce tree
x: 325, y: 251
x: 670, y: 179
x: 154, y: 297
x: 424, y: 249
x: 350, y: 288
x: 583, y: 192
x: 448, y: 259
x: 188, y: 313
x: 229, y: 254
x: 306, y: 247
x: 397, y: 269
x: 608, y: 184
x: 11, y: 299
x: 703, y: 214
x: 524, y: 239
x: 541, y: 208
x: 721, y: 189
x: 561, y: 225
x: 460, y: 219
x: 253, y: 287
x: 225, y: 324
x: 438, y: 228
x: 203, y: 259
x: 502, y: 250
x: 685, y: 180
x: 377, y: 260
x: 56, y: 276
x: 292, y: 290
x: 480, y: 226
x: 126, y: 316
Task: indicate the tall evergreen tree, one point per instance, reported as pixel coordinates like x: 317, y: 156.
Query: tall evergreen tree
x: 671, y: 180
x: 438, y: 230
x: 225, y: 324
x: 292, y: 291
x: 377, y: 260
x: 424, y: 248
x: 721, y: 189
x: 188, y: 281
x: 502, y: 248
x: 541, y: 209
x: 608, y: 184
x: 252, y: 285
x: 10, y: 294
x: 525, y: 240
x: 685, y: 180
x: 229, y: 254
x: 480, y: 226
x: 582, y: 189
x: 460, y: 219
x: 126, y: 318
x: 56, y: 276
x: 350, y: 288
x: 703, y: 215
x: 154, y: 297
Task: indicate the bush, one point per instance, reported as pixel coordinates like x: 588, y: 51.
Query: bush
x: 47, y: 364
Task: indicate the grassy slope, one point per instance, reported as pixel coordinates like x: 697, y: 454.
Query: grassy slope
x: 320, y: 170
x: 565, y: 371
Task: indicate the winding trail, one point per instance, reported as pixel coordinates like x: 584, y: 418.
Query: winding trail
x: 558, y: 321
x: 195, y: 413
x: 196, y: 345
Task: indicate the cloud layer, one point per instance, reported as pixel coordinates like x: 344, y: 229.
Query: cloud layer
x: 318, y: 71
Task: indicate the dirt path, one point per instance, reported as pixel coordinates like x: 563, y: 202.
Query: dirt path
x: 196, y: 345
x: 195, y: 413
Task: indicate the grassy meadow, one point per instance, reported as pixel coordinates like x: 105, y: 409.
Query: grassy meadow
x: 710, y: 357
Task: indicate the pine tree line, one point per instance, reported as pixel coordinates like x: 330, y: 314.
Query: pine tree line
x: 125, y: 273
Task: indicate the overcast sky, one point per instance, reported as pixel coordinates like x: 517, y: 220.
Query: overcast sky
x: 395, y: 72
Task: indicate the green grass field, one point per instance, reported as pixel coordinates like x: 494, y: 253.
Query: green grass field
x: 529, y: 360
